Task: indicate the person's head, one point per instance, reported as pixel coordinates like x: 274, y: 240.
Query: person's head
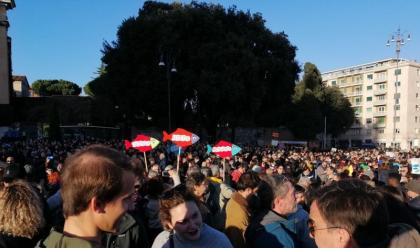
x: 206, y: 171
x: 10, y: 160
x: 284, y: 199
x: 197, y: 184
x: 98, y: 182
x: 215, y: 170
x: 394, y: 179
x: 413, y: 188
x: 21, y: 212
x: 280, y: 170
x: 335, y: 221
x: 179, y: 213
x: 248, y: 184
x: 299, y: 194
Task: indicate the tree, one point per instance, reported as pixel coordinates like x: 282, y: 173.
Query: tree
x: 237, y: 70
x: 56, y: 87
x: 313, y: 101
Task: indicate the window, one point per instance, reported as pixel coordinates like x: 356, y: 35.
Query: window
x: 370, y: 76
x: 369, y: 87
x: 418, y: 72
x: 417, y: 95
x: 397, y: 107
x: 417, y: 107
x: 398, y: 83
x: 368, y: 99
x: 358, y: 100
x: 381, y: 86
x: 397, y: 119
x: 397, y: 96
x: 380, y: 97
x: 368, y: 120
x: 381, y: 109
x: 368, y: 132
x: 381, y: 130
x: 397, y: 130
x: 416, y: 119
x: 397, y: 72
x: 334, y: 83
x: 368, y: 110
x: 343, y: 81
x: 380, y: 120
x: 397, y: 101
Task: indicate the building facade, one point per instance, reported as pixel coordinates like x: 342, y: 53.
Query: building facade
x: 5, y: 53
x: 21, y: 86
x: 385, y: 96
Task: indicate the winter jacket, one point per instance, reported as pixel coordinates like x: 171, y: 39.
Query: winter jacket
x: 272, y: 231
x: 59, y: 240
x: 131, y: 233
x: 219, y: 195
x: 300, y: 218
x: 237, y: 219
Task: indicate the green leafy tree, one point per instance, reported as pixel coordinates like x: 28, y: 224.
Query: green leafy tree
x: 313, y: 101
x: 230, y: 67
x: 56, y: 87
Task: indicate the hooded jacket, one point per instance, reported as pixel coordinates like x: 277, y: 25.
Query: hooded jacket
x: 272, y: 231
x: 131, y: 233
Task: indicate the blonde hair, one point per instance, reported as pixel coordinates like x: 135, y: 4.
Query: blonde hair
x: 21, y: 212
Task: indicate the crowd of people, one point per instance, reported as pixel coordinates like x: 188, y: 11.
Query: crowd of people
x: 87, y: 192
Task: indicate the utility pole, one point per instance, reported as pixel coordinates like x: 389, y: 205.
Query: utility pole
x: 398, y: 39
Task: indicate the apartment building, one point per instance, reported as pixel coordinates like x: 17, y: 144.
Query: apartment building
x: 385, y: 96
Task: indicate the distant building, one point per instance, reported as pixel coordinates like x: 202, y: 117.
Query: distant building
x: 385, y: 96
x: 21, y: 86
x: 5, y: 53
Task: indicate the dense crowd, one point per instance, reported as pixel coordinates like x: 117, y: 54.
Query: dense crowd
x: 75, y: 193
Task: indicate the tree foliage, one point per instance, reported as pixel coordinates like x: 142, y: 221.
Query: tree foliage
x: 55, y: 87
x: 313, y: 101
x: 230, y: 67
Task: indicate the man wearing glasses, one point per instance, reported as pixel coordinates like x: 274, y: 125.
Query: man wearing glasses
x: 350, y: 213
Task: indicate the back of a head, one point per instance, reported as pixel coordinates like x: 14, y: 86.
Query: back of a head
x: 96, y: 171
x: 21, y: 212
x: 248, y: 180
x: 194, y: 179
x: 356, y: 207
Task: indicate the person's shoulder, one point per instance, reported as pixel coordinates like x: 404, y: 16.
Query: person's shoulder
x: 212, y: 235
x: 56, y: 239
x: 161, y: 240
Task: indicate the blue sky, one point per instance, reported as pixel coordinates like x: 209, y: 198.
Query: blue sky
x: 57, y: 39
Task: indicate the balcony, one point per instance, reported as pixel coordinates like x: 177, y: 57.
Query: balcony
x: 379, y: 113
x: 379, y: 102
x: 380, y: 91
x: 379, y: 125
x: 379, y: 80
x: 355, y: 93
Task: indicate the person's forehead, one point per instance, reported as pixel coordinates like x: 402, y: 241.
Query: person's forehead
x: 183, y: 211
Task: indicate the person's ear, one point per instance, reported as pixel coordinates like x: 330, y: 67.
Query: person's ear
x: 345, y: 238
x: 96, y: 206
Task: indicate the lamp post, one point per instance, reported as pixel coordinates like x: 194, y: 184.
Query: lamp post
x: 168, y: 63
x: 398, y: 39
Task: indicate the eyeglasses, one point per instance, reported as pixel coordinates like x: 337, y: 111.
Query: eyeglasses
x: 312, y: 229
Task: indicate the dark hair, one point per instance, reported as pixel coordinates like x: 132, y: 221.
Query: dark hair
x: 395, y: 176
x: 96, y: 171
x: 299, y: 189
x: 248, y: 180
x: 194, y: 179
x: 356, y: 207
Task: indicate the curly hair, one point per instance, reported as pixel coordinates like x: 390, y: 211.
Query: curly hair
x: 21, y: 212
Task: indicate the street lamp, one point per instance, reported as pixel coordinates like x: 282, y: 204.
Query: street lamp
x: 398, y: 39
x: 168, y: 63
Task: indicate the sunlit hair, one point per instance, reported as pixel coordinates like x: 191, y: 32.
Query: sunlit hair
x: 356, y: 207
x: 168, y: 202
x: 21, y: 212
x: 96, y: 171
